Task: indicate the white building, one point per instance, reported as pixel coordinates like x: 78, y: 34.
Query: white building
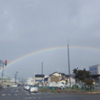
x: 94, y: 70
x: 30, y: 81
x: 13, y: 80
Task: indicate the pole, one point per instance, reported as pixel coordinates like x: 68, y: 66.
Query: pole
x: 16, y: 77
x: 42, y: 68
x: 42, y: 74
x: 2, y: 72
x: 34, y: 78
x: 99, y: 80
x: 69, y: 65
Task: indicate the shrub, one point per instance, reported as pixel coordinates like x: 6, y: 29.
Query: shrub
x: 88, y: 81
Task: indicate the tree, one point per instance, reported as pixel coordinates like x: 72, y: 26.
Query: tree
x: 88, y: 81
x: 85, y: 77
x: 81, y: 75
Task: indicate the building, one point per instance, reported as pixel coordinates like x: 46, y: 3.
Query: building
x: 72, y: 79
x: 56, y: 77
x: 9, y: 81
x: 95, y: 72
x: 30, y: 81
x: 39, y: 78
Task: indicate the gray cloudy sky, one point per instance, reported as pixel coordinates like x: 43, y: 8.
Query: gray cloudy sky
x: 30, y: 25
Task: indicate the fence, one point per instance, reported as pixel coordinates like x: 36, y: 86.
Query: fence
x: 85, y: 88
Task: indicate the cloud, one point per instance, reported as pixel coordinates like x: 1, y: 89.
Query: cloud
x: 30, y: 25
x: 32, y: 2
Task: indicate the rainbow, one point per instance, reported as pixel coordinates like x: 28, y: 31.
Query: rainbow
x: 48, y: 49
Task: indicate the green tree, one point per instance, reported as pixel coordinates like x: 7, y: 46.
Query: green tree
x: 88, y: 81
x: 81, y: 75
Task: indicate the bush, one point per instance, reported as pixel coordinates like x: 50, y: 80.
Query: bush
x: 88, y: 81
x: 74, y: 87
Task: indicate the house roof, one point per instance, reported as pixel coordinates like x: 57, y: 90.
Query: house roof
x: 57, y: 72
x: 72, y: 75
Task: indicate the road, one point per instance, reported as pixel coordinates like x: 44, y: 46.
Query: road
x: 20, y: 94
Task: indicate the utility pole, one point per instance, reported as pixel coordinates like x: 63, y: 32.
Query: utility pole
x: 2, y: 72
x: 42, y: 68
x: 69, y: 64
x: 42, y: 74
x: 3, y: 64
x: 16, y: 76
x: 34, y: 77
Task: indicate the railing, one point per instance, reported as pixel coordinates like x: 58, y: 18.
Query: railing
x: 67, y: 89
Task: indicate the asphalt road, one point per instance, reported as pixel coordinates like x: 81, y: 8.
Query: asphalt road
x: 20, y: 94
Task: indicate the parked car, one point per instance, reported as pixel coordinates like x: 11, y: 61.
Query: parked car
x: 55, y: 85
x: 33, y: 89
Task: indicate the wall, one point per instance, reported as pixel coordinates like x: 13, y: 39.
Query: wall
x: 99, y: 69
x: 72, y: 80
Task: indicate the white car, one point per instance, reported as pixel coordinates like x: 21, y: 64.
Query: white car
x: 33, y: 89
x: 27, y: 87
